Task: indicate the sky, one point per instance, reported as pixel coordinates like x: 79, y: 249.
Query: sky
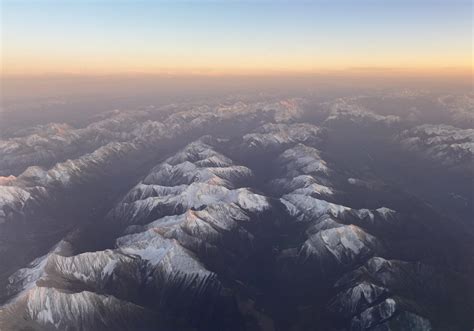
x: 234, y: 37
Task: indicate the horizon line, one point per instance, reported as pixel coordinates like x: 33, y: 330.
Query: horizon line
x: 361, y: 71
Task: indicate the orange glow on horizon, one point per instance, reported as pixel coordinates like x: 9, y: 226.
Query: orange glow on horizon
x: 236, y: 38
x: 96, y: 67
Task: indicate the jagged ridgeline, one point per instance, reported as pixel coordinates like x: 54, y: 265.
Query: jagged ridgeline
x: 276, y: 215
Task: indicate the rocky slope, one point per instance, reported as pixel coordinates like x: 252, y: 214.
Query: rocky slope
x: 242, y: 216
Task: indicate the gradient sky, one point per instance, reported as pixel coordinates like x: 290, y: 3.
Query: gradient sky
x: 234, y: 37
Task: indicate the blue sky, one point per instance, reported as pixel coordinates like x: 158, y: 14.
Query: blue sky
x: 128, y: 36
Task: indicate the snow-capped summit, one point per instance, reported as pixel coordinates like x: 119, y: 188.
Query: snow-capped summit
x: 444, y: 144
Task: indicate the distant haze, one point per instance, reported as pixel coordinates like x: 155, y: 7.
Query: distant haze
x: 235, y: 37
